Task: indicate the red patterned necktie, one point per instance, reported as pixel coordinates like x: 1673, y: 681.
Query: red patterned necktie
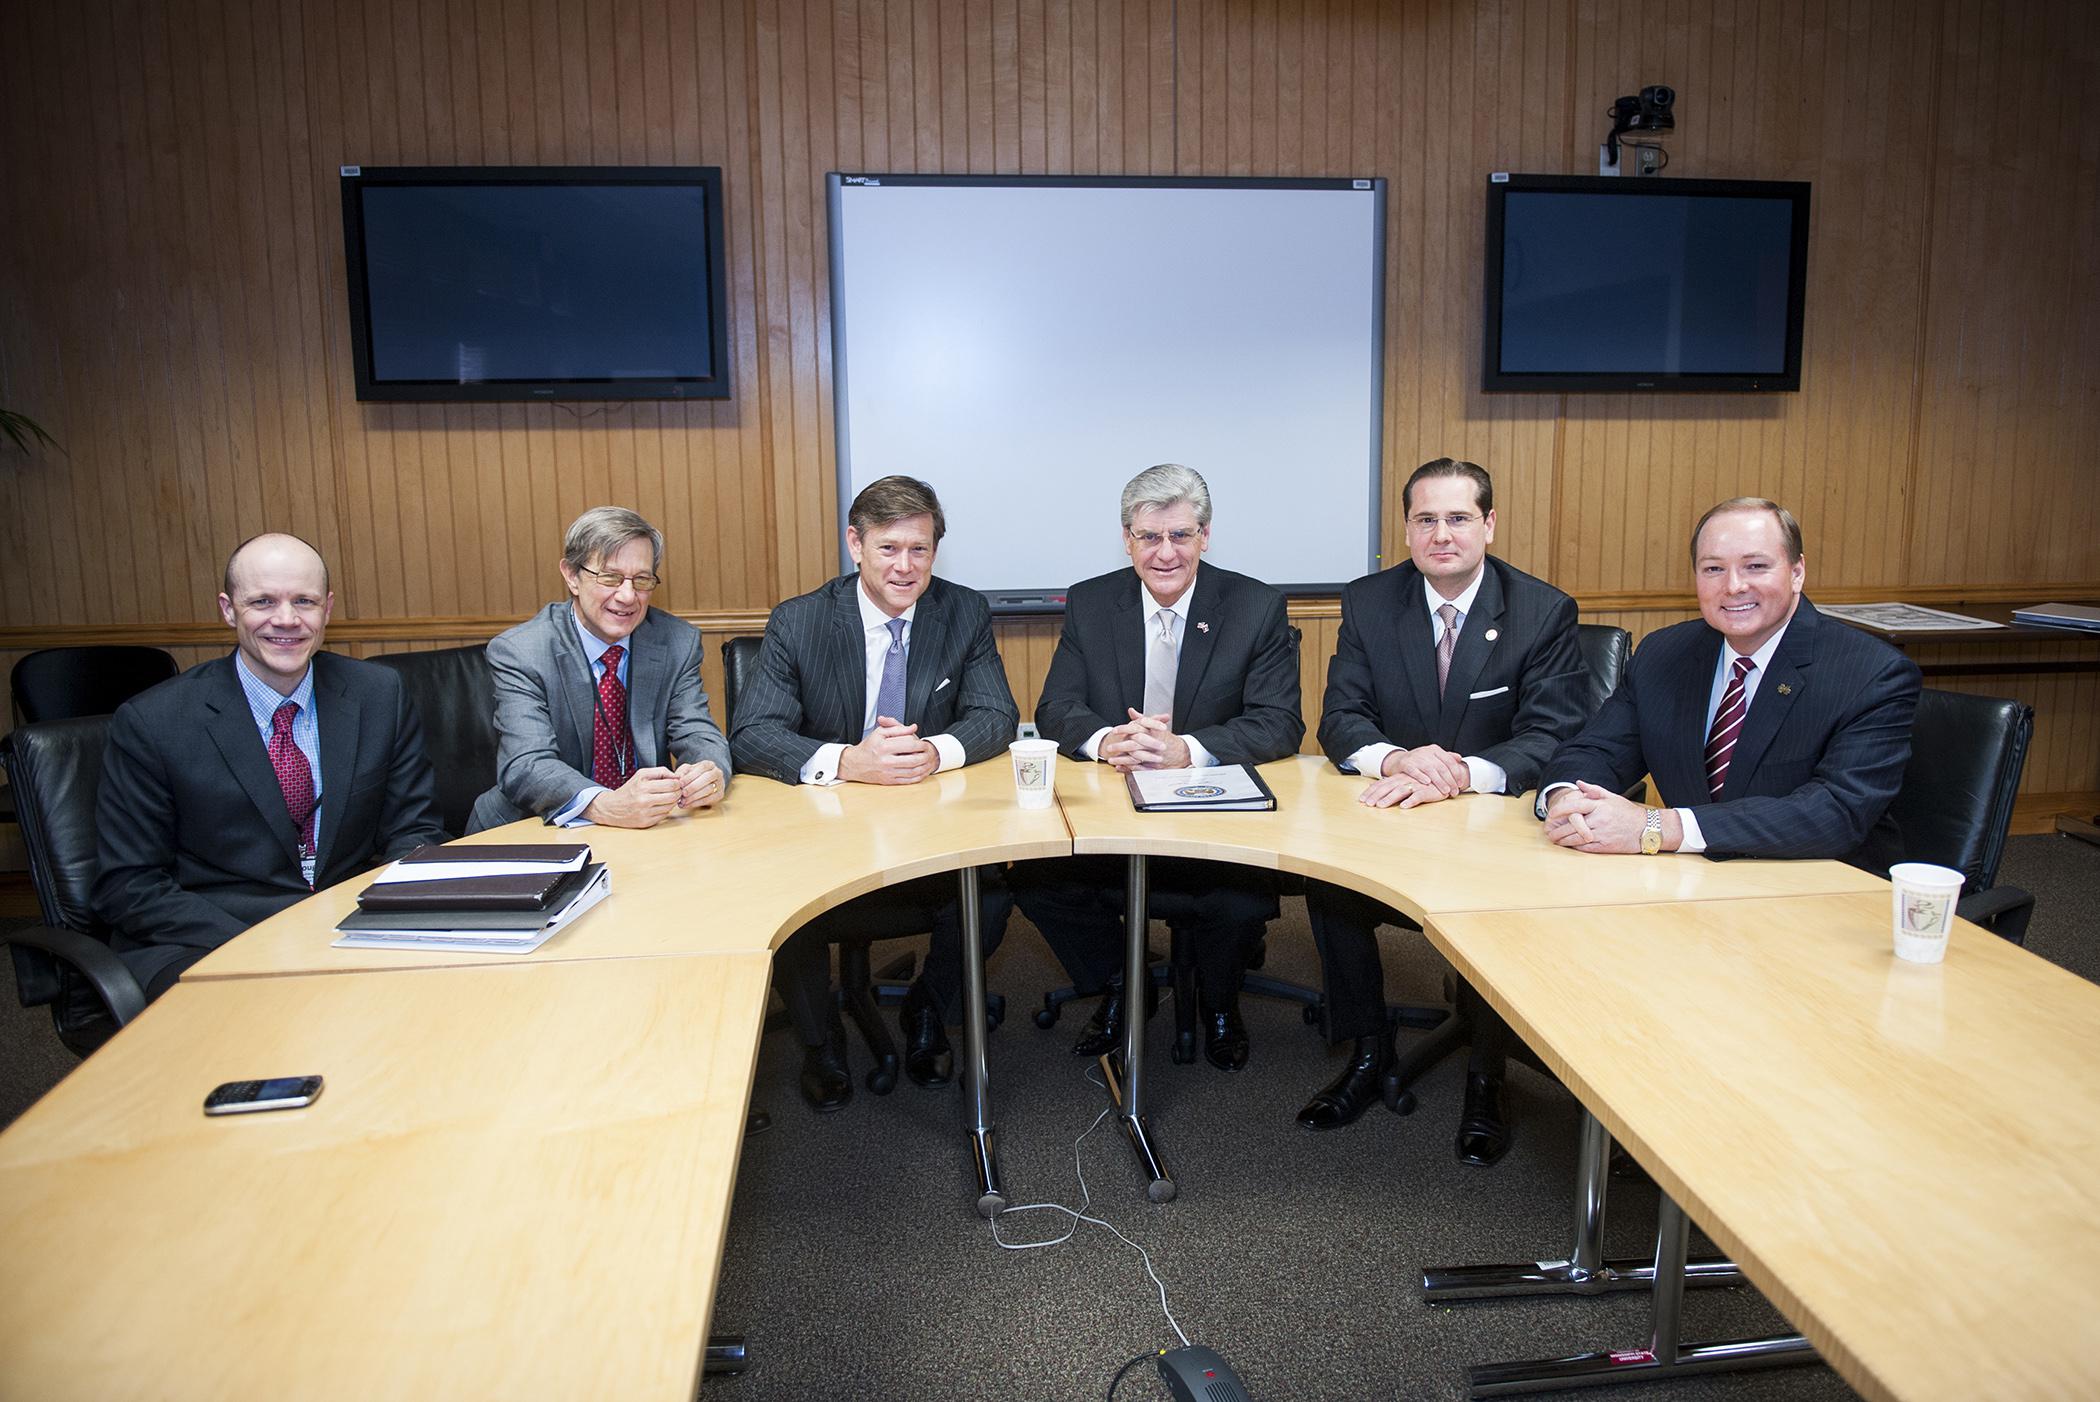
x: 612, y: 743
x: 1728, y: 721
x: 294, y: 775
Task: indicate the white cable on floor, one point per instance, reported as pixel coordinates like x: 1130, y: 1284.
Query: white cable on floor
x: 1079, y: 1215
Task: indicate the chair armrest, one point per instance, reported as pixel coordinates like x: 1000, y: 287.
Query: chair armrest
x: 2003, y: 910
x: 92, y: 960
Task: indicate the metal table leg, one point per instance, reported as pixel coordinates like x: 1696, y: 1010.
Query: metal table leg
x: 1585, y: 1272
x: 1665, y: 1356
x: 991, y: 1195
x: 1128, y: 1087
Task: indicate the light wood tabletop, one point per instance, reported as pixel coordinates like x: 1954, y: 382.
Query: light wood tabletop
x: 515, y: 1183
x: 738, y: 878
x: 1904, y: 1158
x: 1474, y: 852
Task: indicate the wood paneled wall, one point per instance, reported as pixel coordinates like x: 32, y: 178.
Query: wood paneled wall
x: 172, y: 302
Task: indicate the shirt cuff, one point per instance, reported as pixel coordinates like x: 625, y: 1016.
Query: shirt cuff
x: 1092, y: 748
x: 823, y: 766
x: 1693, y: 840
x: 570, y: 814
x: 1488, y: 776
x: 950, y: 750
x: 1199, y: 757
x: 1370, y: 760
x: 1538, y: 806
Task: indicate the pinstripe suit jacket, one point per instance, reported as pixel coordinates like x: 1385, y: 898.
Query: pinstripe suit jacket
x: 811, y: 687
x: 1235, y: 690
x: 1818, y: 759
x: 546, y: 703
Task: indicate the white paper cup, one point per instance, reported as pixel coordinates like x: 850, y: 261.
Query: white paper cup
x: 1924, y: 909
x: 1035, y: 771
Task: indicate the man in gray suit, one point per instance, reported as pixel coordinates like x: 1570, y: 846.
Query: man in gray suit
x: 883, y: 676
x: 598, y: 694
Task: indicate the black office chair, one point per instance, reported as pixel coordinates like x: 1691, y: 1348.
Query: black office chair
x: 59, y: 683
x: 454, y: 693
x: 1606, y: 651
x: 862, y: 989
x: 55, y: 770
x: 1955, y: 806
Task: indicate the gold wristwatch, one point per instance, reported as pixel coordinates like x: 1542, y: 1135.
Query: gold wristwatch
x: 1652, y: 833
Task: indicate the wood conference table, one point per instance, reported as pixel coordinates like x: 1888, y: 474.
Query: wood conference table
x: 515, y: 1183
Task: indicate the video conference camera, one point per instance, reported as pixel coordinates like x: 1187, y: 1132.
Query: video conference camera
x: 1653, y: 110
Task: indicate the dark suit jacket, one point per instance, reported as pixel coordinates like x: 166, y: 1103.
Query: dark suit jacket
x: 1235, y: 690
x: 1814, y: 766
x: 547, y: 701
x: 811, y: 687
x: 1381, y: 685
x: 196, y: 843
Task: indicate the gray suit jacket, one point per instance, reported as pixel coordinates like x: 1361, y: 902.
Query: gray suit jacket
x: 546, y: 701
x: 811, y: 687
x: 195, y: 842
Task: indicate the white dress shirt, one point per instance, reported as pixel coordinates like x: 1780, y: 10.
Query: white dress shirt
x: 1487, y: 776
x: 823, y: 766
x: 1198, y: 755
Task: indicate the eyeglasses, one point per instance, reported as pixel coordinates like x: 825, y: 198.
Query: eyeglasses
x: 643, y: 583
x: 1149, y: 539
x: 1458, y: 521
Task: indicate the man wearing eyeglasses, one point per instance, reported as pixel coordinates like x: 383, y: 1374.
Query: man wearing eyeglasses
x: 600, y: 713
x: 1163, y: 666
x: 1454, y: 673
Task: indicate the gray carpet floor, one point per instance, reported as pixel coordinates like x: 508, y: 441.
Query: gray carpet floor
x: 856, y: 1266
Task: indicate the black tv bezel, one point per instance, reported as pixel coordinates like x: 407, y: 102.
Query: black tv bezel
x: 1496, y: 380
x: 370, y: 389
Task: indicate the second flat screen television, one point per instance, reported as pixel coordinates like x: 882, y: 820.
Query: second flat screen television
x: 1615, y: 283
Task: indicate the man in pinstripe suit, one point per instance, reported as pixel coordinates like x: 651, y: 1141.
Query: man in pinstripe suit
x: 883, y: 676
x: 1769, y: 730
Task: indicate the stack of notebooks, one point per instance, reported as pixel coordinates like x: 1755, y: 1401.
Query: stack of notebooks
x: 508, y: 900
x: 2079, y: 616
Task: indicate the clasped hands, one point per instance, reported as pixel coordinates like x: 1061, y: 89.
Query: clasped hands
x: 891, y: 753
x: 1590, y: 819
x: 651, y: 795
x: 1144, y: 742
x: 1411, y: 778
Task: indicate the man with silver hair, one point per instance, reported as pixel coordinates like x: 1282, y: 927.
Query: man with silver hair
x: 600, y: 714
x: 1160, y: 667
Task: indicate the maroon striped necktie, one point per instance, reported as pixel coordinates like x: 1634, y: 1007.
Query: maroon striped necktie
x: 1728, y: 722
x: 612, y: 741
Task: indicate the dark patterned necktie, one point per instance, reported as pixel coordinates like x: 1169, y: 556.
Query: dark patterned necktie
x: 294, y: 775
x: 612, y: 742
x: 1728, y: 723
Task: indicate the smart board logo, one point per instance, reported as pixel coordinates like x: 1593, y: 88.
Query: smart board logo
x: 861, y: 180
x: 1199, y: 791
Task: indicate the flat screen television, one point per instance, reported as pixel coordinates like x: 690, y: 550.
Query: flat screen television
x: 536, y: 282
x: 1644, y: 283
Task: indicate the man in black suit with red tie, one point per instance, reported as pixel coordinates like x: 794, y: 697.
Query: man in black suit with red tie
x: 237, y: 788
x: 1454, y: 673
x: 1770, y: 731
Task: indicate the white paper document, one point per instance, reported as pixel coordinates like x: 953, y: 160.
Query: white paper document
x: 1904, y: 618
x: 466, y: 868
x: 1226, y: 786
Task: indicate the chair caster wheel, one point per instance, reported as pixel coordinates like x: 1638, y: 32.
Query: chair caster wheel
x: 995, y: 1011
x: 883, y: 1079
x: 1184, y: 1052
x: 1311, y: 1013
x: 1400, y: 1102
x: 1046, y: 1016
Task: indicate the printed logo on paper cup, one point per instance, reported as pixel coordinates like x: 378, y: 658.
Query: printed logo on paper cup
x: 1032, y: 773
x: 1199, y: 791
x: 1925, y: 913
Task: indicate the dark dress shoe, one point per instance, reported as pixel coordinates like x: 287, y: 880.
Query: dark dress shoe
x: 1104, y: 1030
x: 1224, y: 1038
x: 1483, y: 1135
x: 928, y: 1060
x: 827, y: 1082
x: 1356, y: 1090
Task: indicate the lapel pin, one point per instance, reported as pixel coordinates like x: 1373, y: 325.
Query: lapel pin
x: 1203, y: 627
x: 1785, y: 690
x: 1492, y: 635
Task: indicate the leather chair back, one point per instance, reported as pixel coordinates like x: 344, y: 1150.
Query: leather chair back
x: 1605, y: 651
x: 739, y: 660
x: 454, y: 692
x: 58, y: 683
x: 54, y: 769
x: 1966, y: 754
